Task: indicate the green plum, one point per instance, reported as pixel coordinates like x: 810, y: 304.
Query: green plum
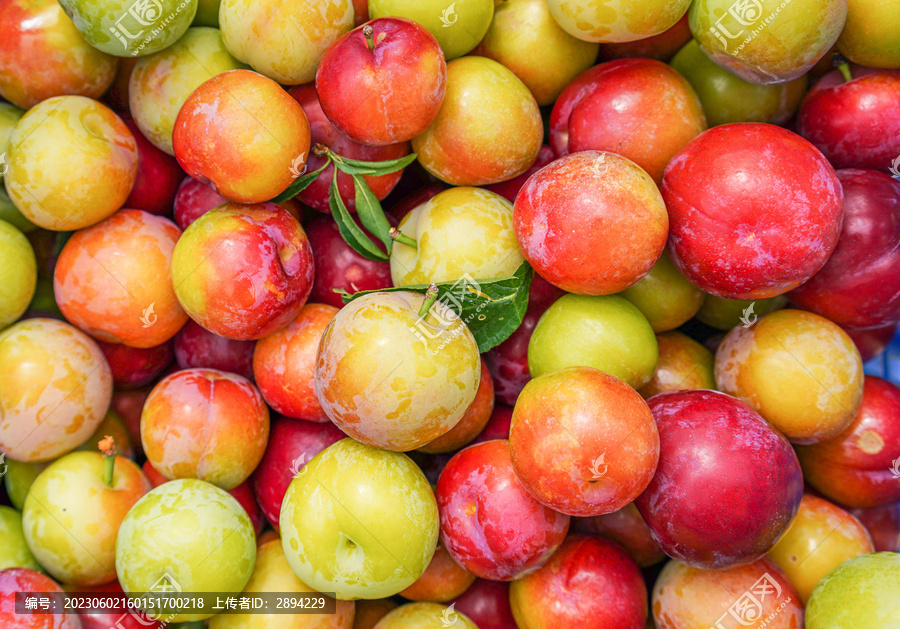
x: 18, y: 274
x: 359, y: 521
x: 729, y: 98
x: 14, y: 553
x: 858, y: 594
x: 606, y: 332
x: 160, y: 83
x: 284, y: 39
x: 459, y: 231
x: 665, y: 296
x: 458, y: 25
x: 723, y: 313
x: 767, y: 41
x: 130, y: 28
x: 72, y: 516
x: 191, y: 533
x: 19, y: 478
x: 392, y: 379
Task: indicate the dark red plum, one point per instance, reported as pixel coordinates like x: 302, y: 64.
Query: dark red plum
x: 727, y: 484
x: 859, y: 286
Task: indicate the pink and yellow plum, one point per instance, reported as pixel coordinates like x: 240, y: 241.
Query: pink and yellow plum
x: 206, y: 424
x: 490, y: 524
x: 72, y: 163
x: 112, y: 280
x: 255, y: 285
x: 57, y: 388
x: 243, y: 134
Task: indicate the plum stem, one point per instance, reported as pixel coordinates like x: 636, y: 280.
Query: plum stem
x: 107, y: 448
x: 403, y: 239
x: 845, y: 70
x: 368, y: 31
x: 840, y: 62
x: 430, y: 297
x: 320, y: 150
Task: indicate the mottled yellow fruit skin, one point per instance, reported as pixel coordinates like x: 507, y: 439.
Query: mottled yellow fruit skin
x: 283, y: 39
x: 798, y: 370
x: 161, y: 82
x: 359, y: 521
x: 422, y: 615
x: 821, y: 537
x: 459, y: 231
x: 610, y: 21
x: 525, y: 38
x: 18, y: 274
x: 71, y: 517
x: 464, y: 147
x: 391, y: 381
x: 273, y: 573
x: 871, y: 36
x: 683, y: 364
x: 190, y: 532
x: 56, y: 389
x: 72, y: 163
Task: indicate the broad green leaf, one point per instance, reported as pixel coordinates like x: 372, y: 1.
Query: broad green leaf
x: 350, y: 231
x: 357, y: 167
x: 492, y: 308
x: 369, y: 210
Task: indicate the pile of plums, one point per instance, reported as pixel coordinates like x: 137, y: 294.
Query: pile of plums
x: 536, y: 314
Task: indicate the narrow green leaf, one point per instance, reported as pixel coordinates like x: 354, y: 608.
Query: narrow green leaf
x: 350, y: 231
x: 369, y: 210
x: 492, y: 308
x: 357, y: 167
x: 299, y: 185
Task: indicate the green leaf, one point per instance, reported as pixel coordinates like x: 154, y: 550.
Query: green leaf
x: 357, y: 167
x: 299, y: 185
x: 350, y: 231
x: 369, y: 210
x: 492, y: 308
